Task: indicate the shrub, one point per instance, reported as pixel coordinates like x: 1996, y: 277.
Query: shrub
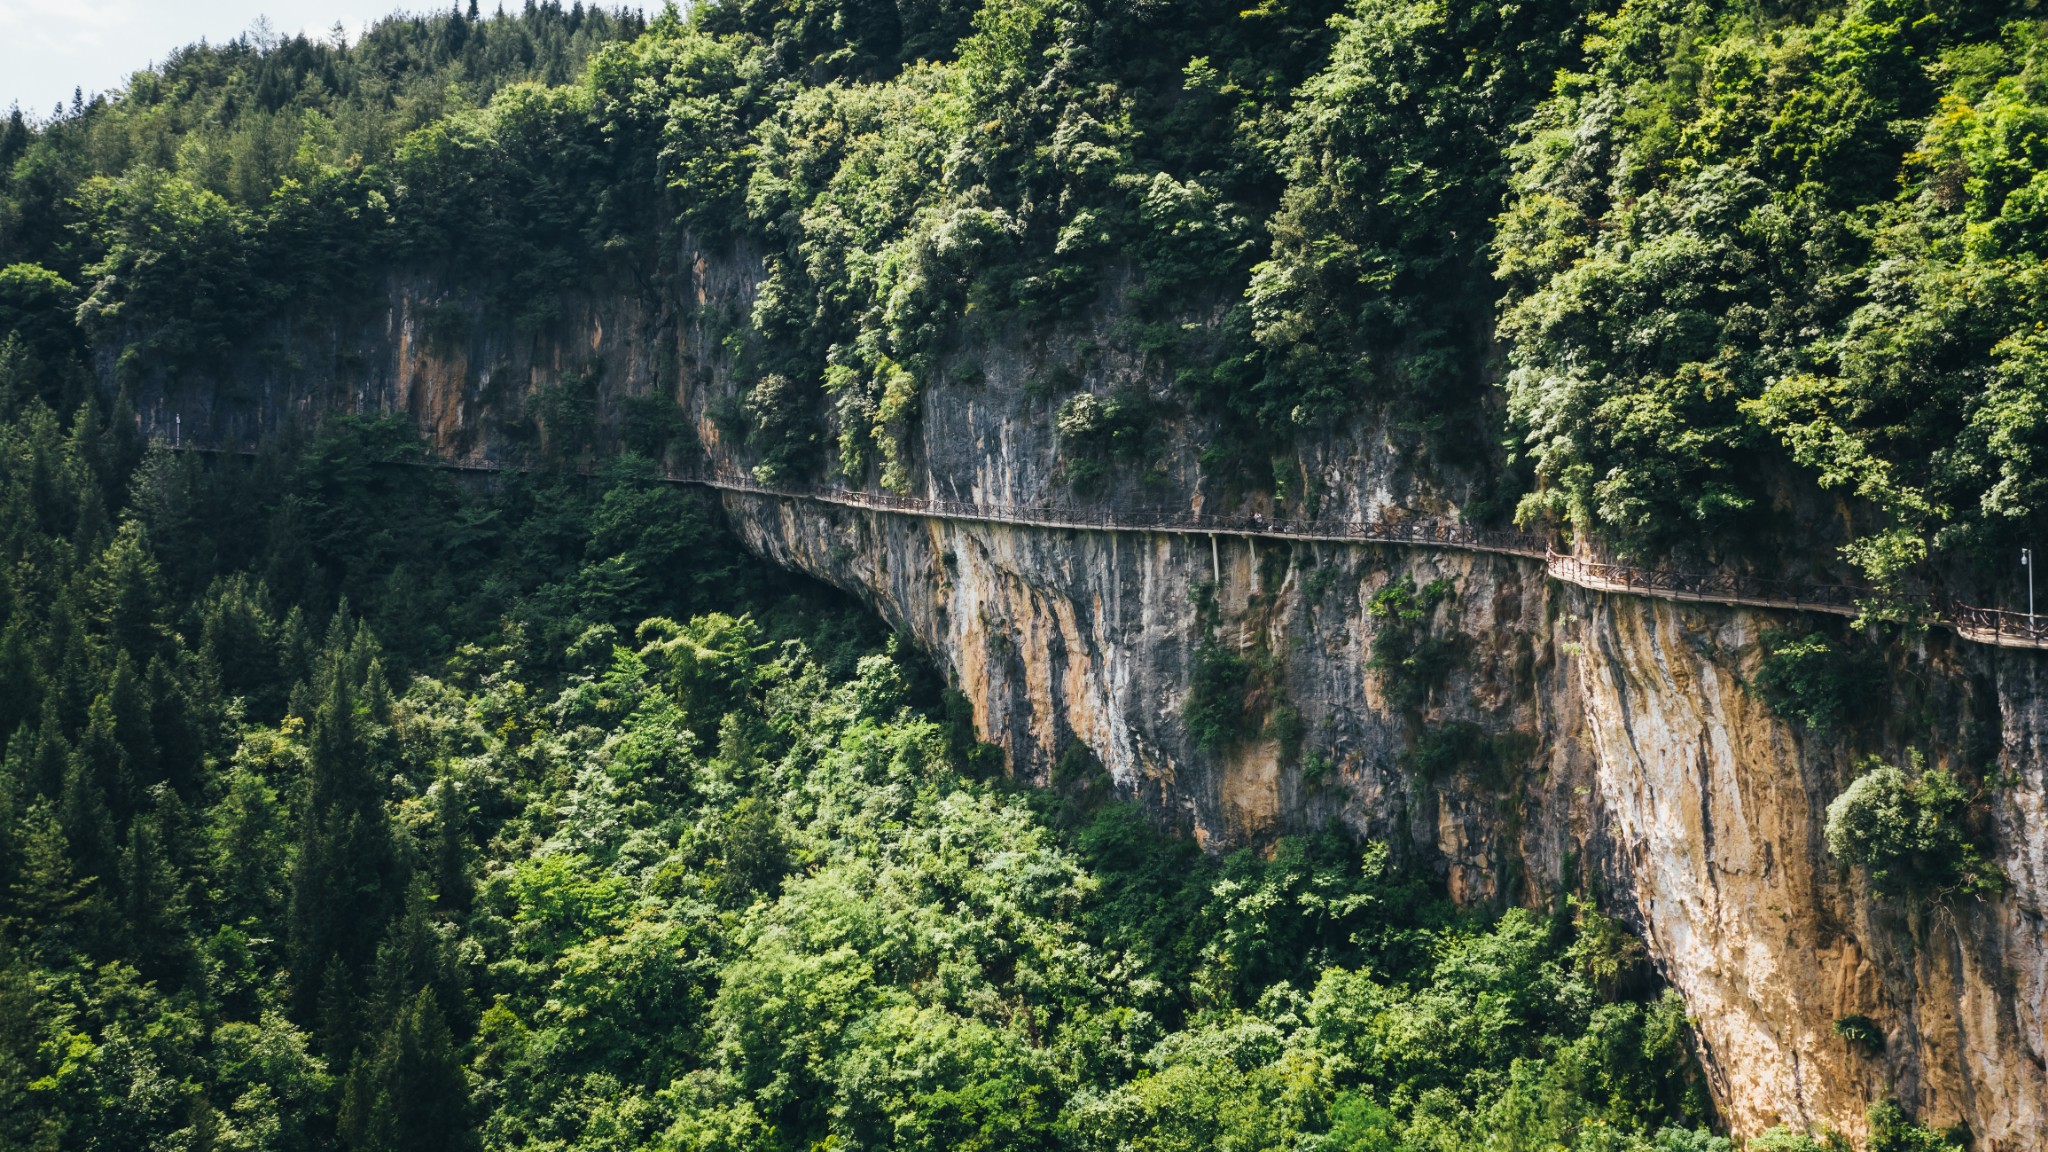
x: 1462, y: 746
x: 1911, y: 832
x: 1215, y: 711
x: 1862, y: 1032
x: 778, y: 413
x: 1285, y: 725
x: 1408, y: 656
x: 1095, y: 430
x: 1812, y: 681
x: 1892, y: 1130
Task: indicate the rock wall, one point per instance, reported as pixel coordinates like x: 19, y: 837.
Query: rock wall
x: 1575, y: 742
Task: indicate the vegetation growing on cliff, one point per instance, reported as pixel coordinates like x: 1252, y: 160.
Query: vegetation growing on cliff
x: 1913, y: 833
x: 388, y: 813
x: 1407, y: 651
x: 1815, y: 681
x: 341, y: 806
x: 1730, y: 252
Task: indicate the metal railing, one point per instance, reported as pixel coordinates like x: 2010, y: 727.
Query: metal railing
x: 1993, y: 626
x: 1713, y: 587
x: 1182, y: 521
x: 1998, y: 626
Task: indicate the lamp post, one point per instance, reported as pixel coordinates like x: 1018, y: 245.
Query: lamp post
x: 2027, y: 562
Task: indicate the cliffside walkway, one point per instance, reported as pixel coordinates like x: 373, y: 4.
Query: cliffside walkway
x: 1982, y: 625
x: 1993, y: 626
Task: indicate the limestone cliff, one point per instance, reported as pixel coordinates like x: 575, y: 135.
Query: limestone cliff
x: 1573, y: 741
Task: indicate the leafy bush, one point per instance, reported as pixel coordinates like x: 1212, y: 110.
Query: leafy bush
x: 1911, y: 832
x: 1096, y: 430
x: 1862, y: 1032
x: 1813, y: 681
x: 1215, y: 711
x: 1893, y: 1130
x: 1461, y: 745
x: 1747, y: 243
x: 1410, y: 658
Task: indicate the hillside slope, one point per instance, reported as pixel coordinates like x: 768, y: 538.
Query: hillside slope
x: 1740, y: 287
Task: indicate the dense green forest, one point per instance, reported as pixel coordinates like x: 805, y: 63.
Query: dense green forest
x: 346, y: 805
x: 1686, y: 266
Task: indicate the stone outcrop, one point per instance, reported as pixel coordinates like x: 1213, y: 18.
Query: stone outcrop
x: 1574, y: 741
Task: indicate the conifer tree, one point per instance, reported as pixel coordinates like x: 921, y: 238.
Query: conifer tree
x: 82, y: 810
x: 124, y: 712
x: 20, y: 678
x: 179, y: 711
x: 410, y: 1095
x: 13, y: 799
x: 128, y: 593
x: 347, y: 860
x: 47, y: 896
x: 247, y: 852
x: 153, y: 907
x: 412, y: 956
x: 49, y: 754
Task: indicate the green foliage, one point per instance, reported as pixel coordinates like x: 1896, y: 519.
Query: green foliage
x: 1751, y: 254
x: 577, y: 874
x: 1096, y: 431
x: 1406, y: 651
x: 1893, y: 1130
x: 1376, y: 283
x: 1749, y: 244
x: 1861, y: 1032
x: 410, y: 1095
x: 1215, y: 712
x: 1492, y: 759
x: 1915, y: 834
x: 1814, y: 681
x: 1783, y: 1139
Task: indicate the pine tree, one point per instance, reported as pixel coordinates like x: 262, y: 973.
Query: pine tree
x: 20, y: 678
x: 13, y: 799
x: 128, y: 593
x: 47, y: 898
x: 412, y: 956
x: 49, y: 755
x: 347, y: 859
x: 88, y: 826
x: 248, y: 853
x: 131, y: 726
x: 240, y: 640
x: 410, y: 1095
x: 101, y: 761
x: 451, y: 845
x: 183, y: 709
x: 153, y: 906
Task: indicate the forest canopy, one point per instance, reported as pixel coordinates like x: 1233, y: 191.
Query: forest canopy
x: 346, y: 805
x: 1683, y: 266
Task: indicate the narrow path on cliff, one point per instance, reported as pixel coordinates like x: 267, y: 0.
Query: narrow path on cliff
x: 1982, y: 625
x: 1994, y: 626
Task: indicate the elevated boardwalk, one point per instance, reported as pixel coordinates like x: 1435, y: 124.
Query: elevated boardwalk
x: 1992, y: 626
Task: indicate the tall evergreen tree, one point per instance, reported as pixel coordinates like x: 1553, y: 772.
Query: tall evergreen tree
x: 347, y: 861
x: 47, y: 896
x: 410, y: 1094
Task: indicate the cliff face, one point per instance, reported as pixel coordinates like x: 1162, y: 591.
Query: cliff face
x: 1566, y: 740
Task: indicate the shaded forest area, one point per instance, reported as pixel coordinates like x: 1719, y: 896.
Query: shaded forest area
x: 345, y: 806
x: 1667, y: 272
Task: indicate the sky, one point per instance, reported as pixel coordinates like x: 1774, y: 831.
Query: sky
x: 48, y: 47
